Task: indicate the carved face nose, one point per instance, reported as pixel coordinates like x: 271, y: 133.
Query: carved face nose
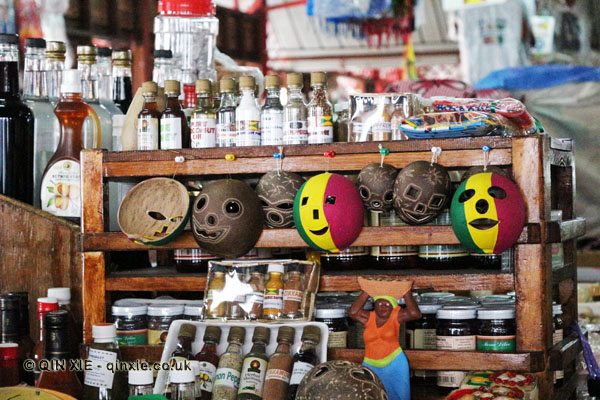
x: 211, y: 220
x: 482, y: 206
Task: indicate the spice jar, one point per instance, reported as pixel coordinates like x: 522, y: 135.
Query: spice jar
x: 236, y: 279
x: 336, y: 320
x: 320, y: 115
x: 255, y: 299
x: 227, y: 377
x: 216, y: 307
x: 141, y: 382
x: 273, y: 303
x: 160, y: 317
x: 279, y: 369
x: 497, y: 329
x: 193, y: 312
x: 293, y: 291
x: 132, y: 326
x: 421, y: 335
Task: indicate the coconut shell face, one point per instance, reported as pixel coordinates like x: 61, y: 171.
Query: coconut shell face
x: 376, y: 186
x: 227, y: 218
x: 421, y: 191
x: 276, y: 191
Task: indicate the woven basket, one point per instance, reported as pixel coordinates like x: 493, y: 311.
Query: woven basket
x: 379, y: 287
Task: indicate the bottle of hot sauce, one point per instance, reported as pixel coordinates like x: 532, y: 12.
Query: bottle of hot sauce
x: 209, y: 360
x: 45, y: 305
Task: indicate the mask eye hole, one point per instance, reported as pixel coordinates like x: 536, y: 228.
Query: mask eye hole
x: 388, y: 197
x: 437, y: 201
x: 497, y: 192
x: 264, y: 204
x: 233, y: 208
x: 177, y: 219
x: 304, y: 200
x: 364, y: 192
x: 330, y: 200
x: 285, y: 206
x: 412, y: 192
x: 156, y: 215
x: 201, y: 203
x: 466, y: 195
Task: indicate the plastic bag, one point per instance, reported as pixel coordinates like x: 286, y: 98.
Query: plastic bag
x: 456, y: 124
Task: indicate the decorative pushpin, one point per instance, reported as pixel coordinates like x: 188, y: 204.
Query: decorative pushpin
x: 436, y: 151
x: 179, y: 159
x: 486, y: 156
x: 230, y: 157
x: 384, y: 152
x: 329, y: 153
x: 279, y: 156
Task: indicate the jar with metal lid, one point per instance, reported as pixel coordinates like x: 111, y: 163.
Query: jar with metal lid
x: 131, y: 322
x: 497, y: 329
x: 360, y: 328
x: 193, y: 312
x: 336, y: 320
x: 421, y: 335
x: 497, y: 300
x: 436, y: 295
x: 160, y: 317
x: 557, y: 337
x: 457, y: 331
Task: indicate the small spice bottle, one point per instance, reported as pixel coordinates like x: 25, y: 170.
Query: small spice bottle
x: 215, y: 306
x: 256, y: 298
x: 293, y: 292
x: 141, y: 382
x: 497, y: 329
x: 247, y: 115
x: 160, y: 317
x: 254, y: 367
x: 227, y: 377
x: 320, y: 115
x: 305, y: 359
x: 279, y: 369
x: 236, y: 310
x: 208, y: 361
x: 148, y: 127
x: 193, y: 312
x: 336, y: 320
x: 557, y: 337
x: 273, y: 302
x: 421, y: 335
x: 132, y: 326
x: 183, y: 383
x: 185, y: 338
x: 204, y: 118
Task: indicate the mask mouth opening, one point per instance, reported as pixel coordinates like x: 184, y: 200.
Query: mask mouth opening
x: 483, y: 223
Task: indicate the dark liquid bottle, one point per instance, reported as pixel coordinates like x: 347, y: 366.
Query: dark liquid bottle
x: 16, y: 127
x: 254, y: 367
x: 209, y: 361
x: 25, y: 342
x: 148, y: 132
x: 174, y: 129
x: 122, y: 87
x: 45, y: 305
x: 305, y: 359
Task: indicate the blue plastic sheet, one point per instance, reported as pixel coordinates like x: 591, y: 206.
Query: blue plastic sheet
x: 538, y: 77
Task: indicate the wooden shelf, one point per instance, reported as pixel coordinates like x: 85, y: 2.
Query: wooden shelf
x: 563, y: 272
x: 565, y: 352
x: 558, y: 232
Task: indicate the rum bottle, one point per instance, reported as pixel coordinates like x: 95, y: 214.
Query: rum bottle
x: 247, y: 115
x: 320, y: 114
x: 174, y: 130
x: 226, y: 114
x: 271, y: 118
x: 204, y: 117
x: 148, y: 132
x: 121, y: 78
x: 105, y: 81
x: 55, y: 65
x: 294, y: 112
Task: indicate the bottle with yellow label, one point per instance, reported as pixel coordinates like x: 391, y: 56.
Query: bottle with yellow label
x: 273, y: 301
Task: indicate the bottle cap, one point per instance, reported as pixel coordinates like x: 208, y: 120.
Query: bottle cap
x: 122, y: 55
x: 9, y: 303
x: 236, y: 333
x: 272, y: 82
x: 261, y: 334
x: 56, y: 51
x: 56, y: 319
x: 87, y: 54
x: 311, y: 332
x: 9, y: 38
x: 456, y: 313
x: 63, y: 294
x: 37, y: 43
x: 212, y: 334
x: 286, y: 333
x: 215, y: 88
x: 496, y: 313
x: 429, y: 308
x: 141, y: 377
x: 318, y: 78
x: 163, y: 54
x: 196, y: 311
x: 438, y: 295
x: 172, y: 88
x: 187, y: 330
x: 104, y: 51
x: 203, y: 86
x: 247, y: 82
x: 227, y: 85
x: 104, y: 331
x: 294, y: 79
x: 129, y: 309
x: 330, y: 313
x: 149, y: 88
x: 182, y: 372
x: 275, y: 268
x: 9, y: 351
x: 46, y: 304
x: 165, y: 310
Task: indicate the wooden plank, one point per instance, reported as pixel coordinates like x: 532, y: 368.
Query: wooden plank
x: 529, y: 173
x: 558, y: 232
x: 456, y: 360
x: 183, y: 283
x: 92, y: 193
x: 565, y: 352
x: 562, y: 144
x: 93, y: 292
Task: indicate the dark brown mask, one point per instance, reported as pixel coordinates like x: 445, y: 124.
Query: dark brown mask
x: 376, y: 186
x: 276, y: 191
x: 421, y: 191
x: 227, y: 218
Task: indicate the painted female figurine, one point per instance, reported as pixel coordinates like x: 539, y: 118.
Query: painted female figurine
x: 383, y: 354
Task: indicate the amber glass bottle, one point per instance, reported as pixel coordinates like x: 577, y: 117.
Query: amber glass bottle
x: 209, y: 360
x: 148, y: 132
x: 174, y: 130
x: 279, y: 369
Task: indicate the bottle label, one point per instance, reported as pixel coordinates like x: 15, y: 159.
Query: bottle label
x: 451, y: 379
x: 320, y: 129
x: 170, y: 133
x: 207, y: 376
x: 273, y: 299
x: 192, y: 255
x: 382, y: 131
x: 60, y: 193
x: 278, y: 374
x: 204, y: 132
x: 293, y: 295
x: 147, y: 133
x: 227, y: 377
x: 272, y: 128
x: 557, y: 336
x: 357, y: 132
x: 247, y: 133
x: 100, y: 375
x: 496, y: 343
x: 349, y: 252
x: 226, y: 135
x: 442, y: 251
x: 255, y: 298
x: 424, y: 339
x: 456, y: 342
x: 295, y: 132
x: 300, y: 369
x: 337, y: 340
x: 157, y: 336
x: 253, y: 376
x: 132, y: 338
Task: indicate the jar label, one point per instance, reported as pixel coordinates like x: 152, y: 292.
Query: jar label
x: 255, y: 298
x: 278, y: 374
x: 170, y: 133
x: 557, y: 336
x: 253, y: 376
x: 442, y: 251
x: 421, y: 373
x: 226, y: 135
x: 382, y: 131
x: 227, y: 377
x: 456, y: 342
x: 558, y: 375
x: 273, y: 299
x: 203, y: 132
x: 390, y: 219
x: 207, y: 376
x: 496, y: 343
x: 337, y: 340
x: 300, y: 369
x: 60, y: 190
x: 357, y: 132
x: 157, y: 336
x: 450, y: 379
x: 132, y: 338
x: 192, y: 255
x: 247, y: 133
x: 293, y: 295
x: 294, y: 132
x: 349, y: 252
x: 100, y: 375
x: 272, y: 128
x: 424, y: 339
x: 320, y: 129
x: 147, y: 133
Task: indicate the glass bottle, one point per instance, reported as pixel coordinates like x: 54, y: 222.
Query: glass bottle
x: 294, y: 112
x: 279, y: 369
x: 216, y: 307
x: 60, y: 193
x: 174, y: 130
x: 185, y: 338
x: 342, y: 127
x: 25, y: 342
x: 381, y: 127
x: 46, y: 130
x: 45, y: 305
x: 215, y: 96
x: 163, y: 65
x: 56, y: 347
x: 271, y: 118
x: 391, y: 257
x: 273, y: 301
x: 100, y: 384
x: 204, y: 117
x: 293, y: 292
x: 63, y: 295
x: 226, y: 114
x: 183, y: 383
x: 16, y: 127
x: 121, y: 79
x: 86, y: 64
x: 9, y: 364
x: 305, y: 359
x: 209, y: 360
x: 405, y: 106
x: 247, y: 115
x: 141, y: 382
x: 227, y: 377
x: 55, y: 65
x: 105, y: 81
x: 9, y: 319
x: 256, y: 298
x: 148, y: 119
x: 319, y: 111
x: 254, y: 367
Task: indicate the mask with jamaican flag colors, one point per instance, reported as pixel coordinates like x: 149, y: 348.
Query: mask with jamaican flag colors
x: 488, y: 213
x: 328, y: 212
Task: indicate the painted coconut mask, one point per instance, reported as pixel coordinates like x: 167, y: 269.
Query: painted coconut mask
x: 328, y: 212
x: 376, y: 186
x: 421, y: 191
x: 154, y: 211
x: 227, y: 218
x: 488, y: 213
x: 276, y: 191
x: 478, y: 169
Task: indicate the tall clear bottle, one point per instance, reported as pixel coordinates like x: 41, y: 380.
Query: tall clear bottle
x: 247, y: 115
x: 226, y: 114
x: 105, y: 80
x: 46, y: 130
x: 204, y: 117
x: 87, y: 66
x: 121, y: 79
x: 55, y: 65
x: 148, y: 132
x: 294, y: 112
x: 163, y: 67
x: 271, y: 118
x: 320, y: 113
